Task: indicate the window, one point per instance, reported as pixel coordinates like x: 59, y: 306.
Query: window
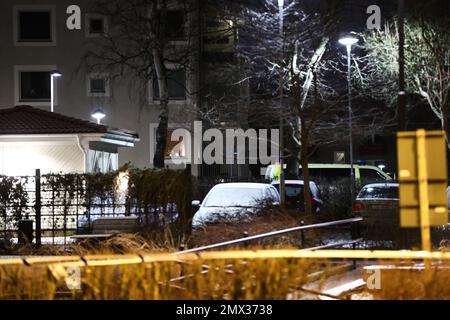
x: 98, y: 85
x: 274, y: 195
x: 370, y: 176
x: 339, y: 157
x: 385, y: 192
x: 174, y: 27
x: 176, y: 81
x: 32, y: 85
x: 336, y: 174
x: 96, y: 25
x: 229, y: 197
x: 34, y: 25
x: 219, y: 32
x: 328, y: 174
x: 102, y: 161
x: 219, y: 37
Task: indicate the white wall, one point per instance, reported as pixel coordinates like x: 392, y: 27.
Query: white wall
x: 22, y: 158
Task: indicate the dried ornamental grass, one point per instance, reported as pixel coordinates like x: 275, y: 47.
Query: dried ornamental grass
x: 236, y: 279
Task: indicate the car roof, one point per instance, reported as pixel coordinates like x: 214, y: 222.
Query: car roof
x: 381, y: 185
x: 300, y: 182
x: 247, y: 185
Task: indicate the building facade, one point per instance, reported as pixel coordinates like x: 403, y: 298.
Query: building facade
x: 36, y: 40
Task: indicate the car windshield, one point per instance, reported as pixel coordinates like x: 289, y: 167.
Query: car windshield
x: 381, y: 192
x: 237, y: 197
x: 294, y: 191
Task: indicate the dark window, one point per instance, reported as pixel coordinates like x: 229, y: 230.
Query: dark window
x: 216, y: 24
x: 96, y: 26
x: 294, y: 194
x: 34, y: 86
x: 98, y: 85
x: 34, y: 26
x: 176, y: 80
x: 174, y: 26
x: 370, y: 176
x: 314, y: 173
x: 383, y: 192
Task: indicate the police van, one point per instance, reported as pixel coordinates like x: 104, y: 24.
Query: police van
x: 335, y: 172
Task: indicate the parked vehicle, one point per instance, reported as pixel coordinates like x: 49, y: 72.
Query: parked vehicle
x: 232, y: 201
x: 378, y: 204
x: 335, y: 172
x: 295, y: 194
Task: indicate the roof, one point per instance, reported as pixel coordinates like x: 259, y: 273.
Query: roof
x: 382, y: 185
x: 29, y: 120
x: 299, y: 182
x: 247, y: 185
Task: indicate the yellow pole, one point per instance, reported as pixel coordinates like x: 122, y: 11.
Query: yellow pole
x: 423, y: 190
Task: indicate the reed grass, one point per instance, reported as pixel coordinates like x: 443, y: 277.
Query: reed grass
x: 238, y: 279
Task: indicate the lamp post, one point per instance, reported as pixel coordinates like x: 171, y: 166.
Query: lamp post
x: 53, y: 74
x: 98, y: 114
x: 348, y: 42
x: 282, y: 182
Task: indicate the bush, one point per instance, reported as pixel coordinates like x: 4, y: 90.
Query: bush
x: 337, y: 199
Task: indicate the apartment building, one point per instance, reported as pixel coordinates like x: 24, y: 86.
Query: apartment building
x: 35, y: 41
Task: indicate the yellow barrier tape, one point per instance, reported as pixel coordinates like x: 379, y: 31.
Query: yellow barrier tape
x: 104, y: 260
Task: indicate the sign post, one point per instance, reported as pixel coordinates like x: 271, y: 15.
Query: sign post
x: 422, y: 168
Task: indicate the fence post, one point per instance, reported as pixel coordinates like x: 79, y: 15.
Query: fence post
x: 245, y: 235
x: 302, y: 234
x: 37, y: 207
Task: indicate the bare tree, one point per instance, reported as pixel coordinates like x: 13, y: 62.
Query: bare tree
x: 140, y: 44
x: 298, y: 55
x: 427, y: 66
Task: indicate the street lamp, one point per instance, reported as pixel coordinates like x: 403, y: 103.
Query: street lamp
x: 348, y: 42
x: 282, y: 184
x: 98, y: 114
x: 53, y: 74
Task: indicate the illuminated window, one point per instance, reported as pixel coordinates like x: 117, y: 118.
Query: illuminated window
x: 339, y: 157
x: 174, y: 148
x: 102, y: 161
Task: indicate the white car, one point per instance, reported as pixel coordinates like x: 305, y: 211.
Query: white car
x: 233, y: 201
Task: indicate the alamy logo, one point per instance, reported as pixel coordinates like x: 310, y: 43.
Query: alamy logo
x: 73, y: 279
x: 73, y: 22
x: 228, y: 146
x: 374, y: 280
x: 374, y: 21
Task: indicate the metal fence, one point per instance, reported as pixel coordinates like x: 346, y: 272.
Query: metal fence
x: 54, y: 211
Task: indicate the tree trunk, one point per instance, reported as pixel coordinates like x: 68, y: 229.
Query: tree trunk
x: 163, y: 117
x: 444, y: 124
x: 292, y: 161
x: 304, y: 159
